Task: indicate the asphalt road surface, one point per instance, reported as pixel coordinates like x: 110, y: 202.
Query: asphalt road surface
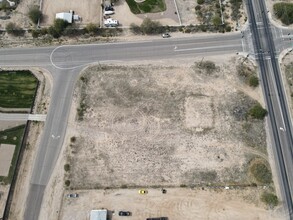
x: 65, y: 63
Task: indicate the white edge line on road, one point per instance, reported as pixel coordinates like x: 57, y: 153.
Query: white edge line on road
x: 202, y: 48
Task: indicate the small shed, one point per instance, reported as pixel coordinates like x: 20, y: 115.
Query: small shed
x: 66, y: 16
x: 99, y: 214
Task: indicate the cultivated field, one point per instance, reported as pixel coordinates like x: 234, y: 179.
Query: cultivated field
x: 154, y: 126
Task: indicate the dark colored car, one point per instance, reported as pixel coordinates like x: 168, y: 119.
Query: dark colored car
x: 124, y: 213
x: 72, y: 195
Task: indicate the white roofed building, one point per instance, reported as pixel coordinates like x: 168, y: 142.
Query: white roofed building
x: 66, y: 16
x: 99, y: 214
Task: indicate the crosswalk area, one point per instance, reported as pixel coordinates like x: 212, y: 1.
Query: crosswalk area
x: 22, y: 117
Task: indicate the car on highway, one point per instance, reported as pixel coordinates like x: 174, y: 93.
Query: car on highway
x: 72, y: 195
x: 142, y: 191
x: 166, y: 35
x: 124, y: 213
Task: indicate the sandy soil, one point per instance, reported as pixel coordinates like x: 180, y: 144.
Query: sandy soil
x: 178, y: 203
x: 164, y: 139
x: 89, y: 10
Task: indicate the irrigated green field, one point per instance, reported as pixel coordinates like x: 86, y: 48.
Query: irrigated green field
x: 17, y: 89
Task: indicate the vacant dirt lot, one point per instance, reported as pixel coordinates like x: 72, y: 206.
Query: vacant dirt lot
x: 162, y: 125
x: 177, y: 204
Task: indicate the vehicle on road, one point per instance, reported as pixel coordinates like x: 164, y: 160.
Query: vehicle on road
x: 142, y: 191
x: 166, y: 35
x: 124, y: 213
x: 72, y: 195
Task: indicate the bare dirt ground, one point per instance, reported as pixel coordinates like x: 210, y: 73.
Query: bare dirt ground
x: 178, y: 203
x: 9, y: 124
x: 3, y: 196
x: 182, y: 130
x: 181, y: 120
x: 19, y: 16
x: 89, y: 10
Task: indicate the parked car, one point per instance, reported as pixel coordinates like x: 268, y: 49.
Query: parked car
x: 142, y: 191
x: 109, y: 8
x: 166, y: 35
x: 72, y: 195
x: 124, y: 213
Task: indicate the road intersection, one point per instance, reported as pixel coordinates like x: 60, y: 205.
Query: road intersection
x: 65, y: 63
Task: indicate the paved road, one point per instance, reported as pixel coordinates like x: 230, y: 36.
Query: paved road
x: 65, y: 63
x: 279, y: 117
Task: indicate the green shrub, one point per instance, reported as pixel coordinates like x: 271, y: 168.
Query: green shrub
x: 284, y: 12
x: 67, y: 183
x: 217, y: 21
x: 34, y: 14
x: 151, y: 27
x: 200, y: 2
x: 197, y: 8
x: 58, y: 28
x: 270, y: 199
x: 261, y: 173
x: 257, y: 112
x: 135, y: 28
x: 67, y: 167
x: 253, y: 81
x: 91, y: 28
x: 12, y: 29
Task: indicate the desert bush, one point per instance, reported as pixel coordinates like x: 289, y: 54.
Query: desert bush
x: 200, y: 2
x: 58, y: 28
x: 12, y: 29
x: 67, y: 183
x: 135, y: 28
x: 270, y: 199
x: 91, y: 28
x: 257, y: 112
x: 151, y: 27
x: 67, y: 167
x: 34, y: 14
x: 284, y: 12
x: 253, y: 81
x: 261, y: 173
x: 217, y: 20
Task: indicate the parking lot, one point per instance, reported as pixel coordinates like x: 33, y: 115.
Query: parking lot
x: 177, y: 203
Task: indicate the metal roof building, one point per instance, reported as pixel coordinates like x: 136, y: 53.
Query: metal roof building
x: 99, y: 214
